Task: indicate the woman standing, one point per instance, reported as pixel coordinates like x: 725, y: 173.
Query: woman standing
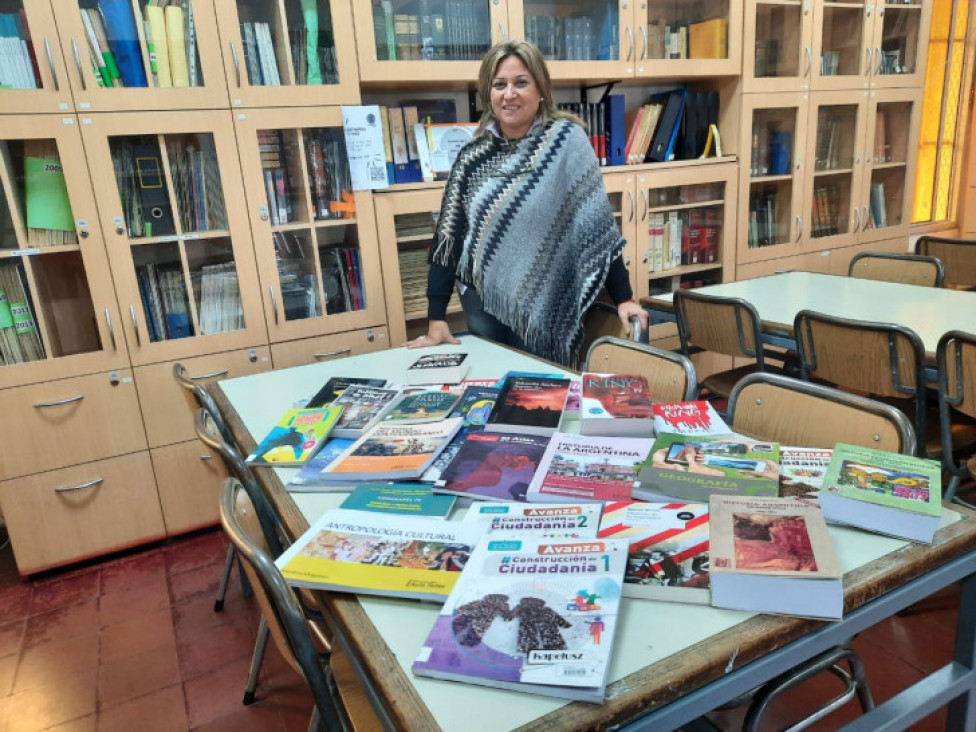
x: 525, y: 226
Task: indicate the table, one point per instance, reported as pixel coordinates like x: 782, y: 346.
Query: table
x: 671, y: 661
x: 929, y: 311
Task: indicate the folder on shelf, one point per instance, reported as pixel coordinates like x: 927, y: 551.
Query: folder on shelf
x: 156, y: 23
x: 616, y: 130
x: 662, y: 145
x: 176, y: 41
x: 123, y: 39
x: 708, y: 39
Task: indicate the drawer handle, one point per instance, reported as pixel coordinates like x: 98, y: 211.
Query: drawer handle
x: 330, y: 354
x: 59, y: 402
x: 211, y: 375
x: 69, y: 488
x: 206, y: 457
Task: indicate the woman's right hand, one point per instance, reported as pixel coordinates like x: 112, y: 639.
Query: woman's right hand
x: 438, y: 332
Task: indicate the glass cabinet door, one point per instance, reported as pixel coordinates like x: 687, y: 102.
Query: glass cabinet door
x: 288, y: 52
x: 631, y: 218
x: 32, y: 76
x: 777, y: 45
x: 842, y: 45
x: 899, y: 42
x: 688, y: 39
x: 316, y: 243
x: 179, y: 246
x: 136, y: 54
x: 58, y: 316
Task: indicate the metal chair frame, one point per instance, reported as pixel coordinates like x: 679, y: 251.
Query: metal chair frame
x: 914, y: 262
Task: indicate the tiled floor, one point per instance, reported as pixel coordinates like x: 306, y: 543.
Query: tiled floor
x: 132, y: 643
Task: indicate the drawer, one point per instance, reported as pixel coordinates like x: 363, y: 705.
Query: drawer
x: 188, y: 478
x: 71, y: 421
x: 168, y: 408
x: 67, y: 515
x: 338, y: 345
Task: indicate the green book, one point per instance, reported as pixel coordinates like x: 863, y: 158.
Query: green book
x: 409, y: 499
x: 423, y: 406
x: 885, y: 492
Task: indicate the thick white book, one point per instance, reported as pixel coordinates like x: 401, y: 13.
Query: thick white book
x: 438, y: 368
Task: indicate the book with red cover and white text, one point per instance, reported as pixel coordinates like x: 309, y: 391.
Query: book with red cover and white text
x: 615, y: 404
x: 689, y: 418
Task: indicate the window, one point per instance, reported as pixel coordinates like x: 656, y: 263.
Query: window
x: 945, y: 107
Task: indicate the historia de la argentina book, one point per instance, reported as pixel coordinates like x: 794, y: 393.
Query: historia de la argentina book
x: 531, y: 614
x: 773, y: 555
x: 422, y: 406
x: 694, y: 467
x: 529, y: 405
x: 403, y: 499
x: 615, y: 404
x: 802, y: 470
x: 563, y: 520
x: 363, y: 406
x: 689, y: 418
x: 438, y: 368
x: 378, y: 554
x: 588, y: 468
x: 391, y: 451
x: 886, y: 492
x: 668, y: 555
x: 493, y: 466
x: 296, y: 437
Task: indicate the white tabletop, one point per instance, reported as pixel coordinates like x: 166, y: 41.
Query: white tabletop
x: 929, y: 311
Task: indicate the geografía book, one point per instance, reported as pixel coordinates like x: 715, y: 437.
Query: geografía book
x: 296, y: 438
x: 565, y: 520
x: 531, y: 614
x: 493, y: 466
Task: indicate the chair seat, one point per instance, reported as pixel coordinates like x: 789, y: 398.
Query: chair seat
x: 721, y: 383
x: 963, y: 427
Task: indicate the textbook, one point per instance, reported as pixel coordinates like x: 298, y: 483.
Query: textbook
x: 475, y: 405
x: 308, y: 478
x: 668, y: 555
x: 773, y: 555
x: 893, y: 494
x: 404, y: 499
x: 296, y: 437
x: 422, y: 406
x: 493, y: 466
x: 689, y: 418
x: 588, y: 468
x: 335, y: 386
x: 562, y: 520
x: 531, y: 614
x: 392, y: 451
x: 363, y: 406
x: 802, y: 470
x: 615, y: 404
x: 693, y: 468
x: 438, y: 368
x: 376, y: 554
x: 529, y: 404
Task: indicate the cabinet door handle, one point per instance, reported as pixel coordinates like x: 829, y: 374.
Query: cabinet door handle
x: 69, y: 488
x: 330, y: 354
x: 237, y: 63
x: 633, y: 206
x: 135, y: 325
x: 502, y: 33
x: 864, y: 214
x: 647, y: 204
x: 111, y: 329
x: 857, y: 219
x: 809, y: 53
x: 50, y: 63
x: 274, y: 303
x: 59, y: 402
x: 630, y: 47
x: 880, y: 57
x: 206, y: 457
x: 643, y: 53
x: 81, y: 70
x: 870, y: 61
x: 211, y: 375
x: 799, y: 227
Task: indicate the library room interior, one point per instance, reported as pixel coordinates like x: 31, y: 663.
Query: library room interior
x: 217, y: 221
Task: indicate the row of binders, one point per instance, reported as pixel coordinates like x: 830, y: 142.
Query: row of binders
x: 18, y: 65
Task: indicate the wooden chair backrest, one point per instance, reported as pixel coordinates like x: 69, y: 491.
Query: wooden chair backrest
x: 956, y: 362
x: 958, y: 257
x: 670, y: 376
x: 724, y: 325
x: 909, y: 269
x: 804, y: 414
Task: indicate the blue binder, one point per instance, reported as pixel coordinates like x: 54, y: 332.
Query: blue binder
x: 120, y: 30
x: 616, y: 129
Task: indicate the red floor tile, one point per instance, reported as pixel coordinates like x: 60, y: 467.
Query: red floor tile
x: 217, y: 693
x: 118, y: 607
x: 137, y: 675
x: 84, y: 724
x: 138, y: 635
x: 58, y: 662
x: 164, y: 710
x: 58, y: 592
x: 8, y: 667
x: 255, y: 718
x: 194, y: 583
x: 216, y: 648
x: 134, y: 572
x: 12, y: 636
x: 64, y: 622
x: 15, y: 598
x: 203, y: 550
x: 45, y: 706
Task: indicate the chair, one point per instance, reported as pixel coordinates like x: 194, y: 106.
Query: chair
x: 883, y: 360
x: 670, y: 376
x: 281, y: 611
x: 910, y: 269
x: 958, y: 257
x: 205, y: 401
x: 955, y: 358
x: 726, y: 325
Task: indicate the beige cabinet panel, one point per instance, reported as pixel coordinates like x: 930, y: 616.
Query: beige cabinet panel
x: 339, y: 345
x: 168, y: 408
x: 188, y: 478
x: 65, y: 515
x: 47, y: 426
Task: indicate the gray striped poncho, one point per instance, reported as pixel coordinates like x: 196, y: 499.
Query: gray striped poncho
x: 529, y: 225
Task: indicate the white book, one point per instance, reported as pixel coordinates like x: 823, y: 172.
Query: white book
x: 557, y: 520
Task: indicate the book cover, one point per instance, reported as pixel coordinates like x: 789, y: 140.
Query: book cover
x: 308, y: 479
x: 893, y: 494
x: 588, y: 468
x: 555, y: 520
x: 422, y: 406
x: 296, y: 437
x: 377, y: 554
x: 445, y: 141
x: 403, y: 499
x: 493, y: 466
x: 773, y: 555
x: 363, y: 406
x: 528, y: 404
x: 475, y: 405
x: 438, y: 368
x: 708, y: 39
x: 615, y: 404
x: 444, y: 458
x: 668, y: 554
x: 531, y: 614
x: 689, y: 418
x: 694, y: 468
x: 802, y: 470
